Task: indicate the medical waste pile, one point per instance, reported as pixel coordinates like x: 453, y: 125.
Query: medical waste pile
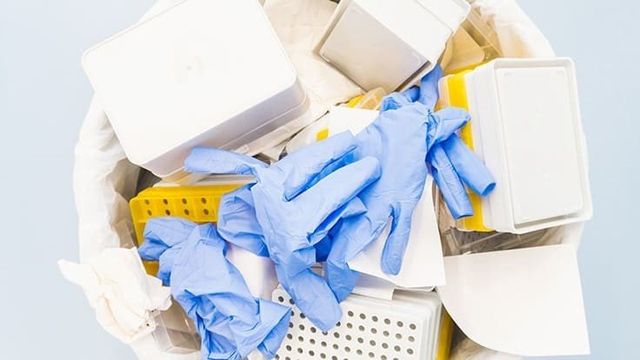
x: 309, y: 179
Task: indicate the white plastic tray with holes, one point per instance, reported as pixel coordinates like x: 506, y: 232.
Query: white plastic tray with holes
x: 404, y: 328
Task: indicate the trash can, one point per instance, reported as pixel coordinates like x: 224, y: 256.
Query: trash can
x: 105, y: 180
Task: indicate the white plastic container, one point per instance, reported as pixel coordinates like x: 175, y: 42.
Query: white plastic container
x: 200, y: 73
x: 526, y: 127
x: 403, y: 328
x: 389, y: 44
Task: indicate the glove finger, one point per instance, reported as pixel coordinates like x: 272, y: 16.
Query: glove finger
x: 276, y: 317
x: 331, y: 167
x: 429, y: 87
x: 313, y: 297
x: 353, y: 235
x: 303, y: 167
x: 340, y: 277
x: 353, y: 207
x: 468, y: 166
x: 335, y: 190
x: 442, y: 124
x: 218, y: 161
x: 453, y: 192
x: 396, y: 244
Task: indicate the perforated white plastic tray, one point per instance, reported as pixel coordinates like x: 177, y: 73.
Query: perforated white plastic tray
x: 405, y: 328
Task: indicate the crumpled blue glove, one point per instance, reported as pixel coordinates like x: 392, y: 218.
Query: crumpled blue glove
x: 237, y: 222
x: 451, y: 162
x: 297, y: 201
x: 405, y: 135
x: 230, y: 321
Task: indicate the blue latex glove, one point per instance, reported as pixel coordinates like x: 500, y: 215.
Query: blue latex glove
x: 296, y: 202
x: 405, y: 135
x: 452, y: 163
x: 237, y: 222
x: 230, y: 321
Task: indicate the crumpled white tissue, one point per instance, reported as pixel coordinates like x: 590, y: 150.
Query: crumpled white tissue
x: 124, y: 296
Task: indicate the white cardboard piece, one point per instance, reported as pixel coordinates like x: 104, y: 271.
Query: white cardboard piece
x: 525, y: 302
x: 201, y: 73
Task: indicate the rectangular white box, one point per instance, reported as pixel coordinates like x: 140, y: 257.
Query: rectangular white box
x: 209, y: 73
x: 389, y: 44
x: 526, y: 127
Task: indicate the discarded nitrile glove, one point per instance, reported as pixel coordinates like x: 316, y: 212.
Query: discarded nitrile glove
x: 230, y: 321
x: 296, y: 202
x: 405, y: 135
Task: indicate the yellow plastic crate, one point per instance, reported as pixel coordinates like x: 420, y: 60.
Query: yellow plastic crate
x: 198, y: 203
x: 453, y: 93
x: 445, y: 336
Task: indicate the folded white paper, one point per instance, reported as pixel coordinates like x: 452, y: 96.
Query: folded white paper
x: 525, y: 302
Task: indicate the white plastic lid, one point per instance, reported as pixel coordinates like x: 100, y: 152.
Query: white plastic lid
x: 187, y: 70
x: 541, y: 148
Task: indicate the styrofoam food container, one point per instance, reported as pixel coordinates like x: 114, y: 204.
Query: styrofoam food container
x: 200, y: 73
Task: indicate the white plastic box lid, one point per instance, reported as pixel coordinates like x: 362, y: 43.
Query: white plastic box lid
x: 200, y: 73
x: 526, y: 127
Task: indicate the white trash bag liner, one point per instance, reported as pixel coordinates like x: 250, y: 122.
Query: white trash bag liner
x: 104, y: 180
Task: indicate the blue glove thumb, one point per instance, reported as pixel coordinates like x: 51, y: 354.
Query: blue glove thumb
x: 217, y: 161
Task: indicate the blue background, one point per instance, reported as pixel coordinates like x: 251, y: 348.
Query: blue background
x: 44, y: 96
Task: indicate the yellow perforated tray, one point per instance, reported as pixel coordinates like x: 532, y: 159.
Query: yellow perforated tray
x: 198, y: 203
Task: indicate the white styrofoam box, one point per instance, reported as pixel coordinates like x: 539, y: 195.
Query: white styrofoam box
x: 202, y: 72
x: 526, y: 127
x: 403, y: 328
x: 389, y: 44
